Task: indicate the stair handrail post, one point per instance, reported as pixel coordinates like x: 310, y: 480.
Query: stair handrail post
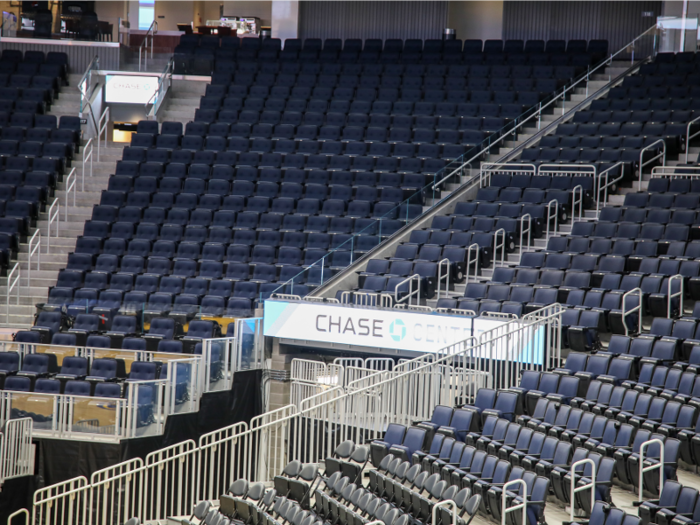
x: 523, y: 505
x: 34, y: 247
x: 638, y: 308
x: 53, y: 216
x: 13, y: 282
x: 102, y: 127
x: 689, y: 137
x: 659, y: 465
x: 672, y: 295
x: 575, y: 489
x: 71, y: 182
x: 87, y: 155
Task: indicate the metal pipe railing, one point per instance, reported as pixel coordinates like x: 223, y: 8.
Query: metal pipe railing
x: 608, y: 184
x: 85, y: 82
x: 659, y: 465
x: 102, y: 127
x: 552, y: 216
x: 13, y: 280
x: 34, y: 247
x: 472, y: 259
x: 158, y: 96
x: 525, y: 226
x: 150, y: 34
x: 87, y: 155
x: 574, y: 201
x: 638, y: 308
x: 504, y: 495
x: 443, y: 275
x: 672, y: 295
x: 71, y: 182
x: 53, y: 217
x: 575, y: 489
x: 661, y: 155
x: 501, y: 245
x: 689, y: 137
x: 412, y: 293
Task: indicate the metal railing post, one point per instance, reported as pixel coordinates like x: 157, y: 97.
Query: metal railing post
x: 638, y: 308
x: 13, y: 280
x: 513, y: 508
x: 87, y: 155
x: 659, y: 465
x: 445, y: 503
x: 575, y: 489
x: 70, y: 187
x: 34, y: 247
x: 102, y: 126
x: 53, y: 216
x: 688, y: 137
x: 672, y: 295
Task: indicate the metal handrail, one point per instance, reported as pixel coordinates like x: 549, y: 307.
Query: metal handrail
x: 659, y: 465
x: 445, y: 503
x: 575, y: 489
x: 152, y: 31
x: 513, y: 508
x: 687, y: 172
x: 411, y: 292
x: 688, y: 137
x: 661, y: 155
x: 443, y: 276
x: 553, y: 204
x: 552, y: 169
x: 608, y: 183
x: 673, y: 295
x: 87, y: 155
x: 525, y: 218
x: 11, y: 285
x: 34, y: 247
x: 472, y: 248
x: 555, y: 98
x: 638, y: 308
x: 53, y: 217
x: 575, y: 201
x: 501, y: 245
x: 102, y: 126
x: 71, y: 182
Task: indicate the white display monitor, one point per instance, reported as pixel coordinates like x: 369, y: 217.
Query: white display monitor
x: 130, y: 89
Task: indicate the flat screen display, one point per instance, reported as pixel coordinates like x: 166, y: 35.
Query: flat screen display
x: 128, y: 89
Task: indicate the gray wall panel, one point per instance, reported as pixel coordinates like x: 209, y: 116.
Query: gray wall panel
x: 616, y: 21
x: 354, y: 19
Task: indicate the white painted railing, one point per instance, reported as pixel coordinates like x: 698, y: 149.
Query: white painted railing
x: 638, y: 308
x: 17, y: 457
x: 53, y: 218
x: 102, y: 128
x: 675, y: 295
x: 259, y: 451
x: 34, y: 248
x: 71, y: 182
x: 505, y: 508
x: 87, y: 156
x: 590, y: 485
x: 13, y: 284
x: 653, y: 466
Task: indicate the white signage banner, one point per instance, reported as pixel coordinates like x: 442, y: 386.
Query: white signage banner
x: 395, y: 329
x: 130, y: 89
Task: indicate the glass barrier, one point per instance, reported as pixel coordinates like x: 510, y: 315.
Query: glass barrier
x: 185, y: 385
x: 250, y: 353
x: 217, y: 364
x: 95, y: 415
x: 148, y: 403
x: 43, y: 409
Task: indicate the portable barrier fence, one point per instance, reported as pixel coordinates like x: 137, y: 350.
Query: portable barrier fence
x: 171, y: 481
